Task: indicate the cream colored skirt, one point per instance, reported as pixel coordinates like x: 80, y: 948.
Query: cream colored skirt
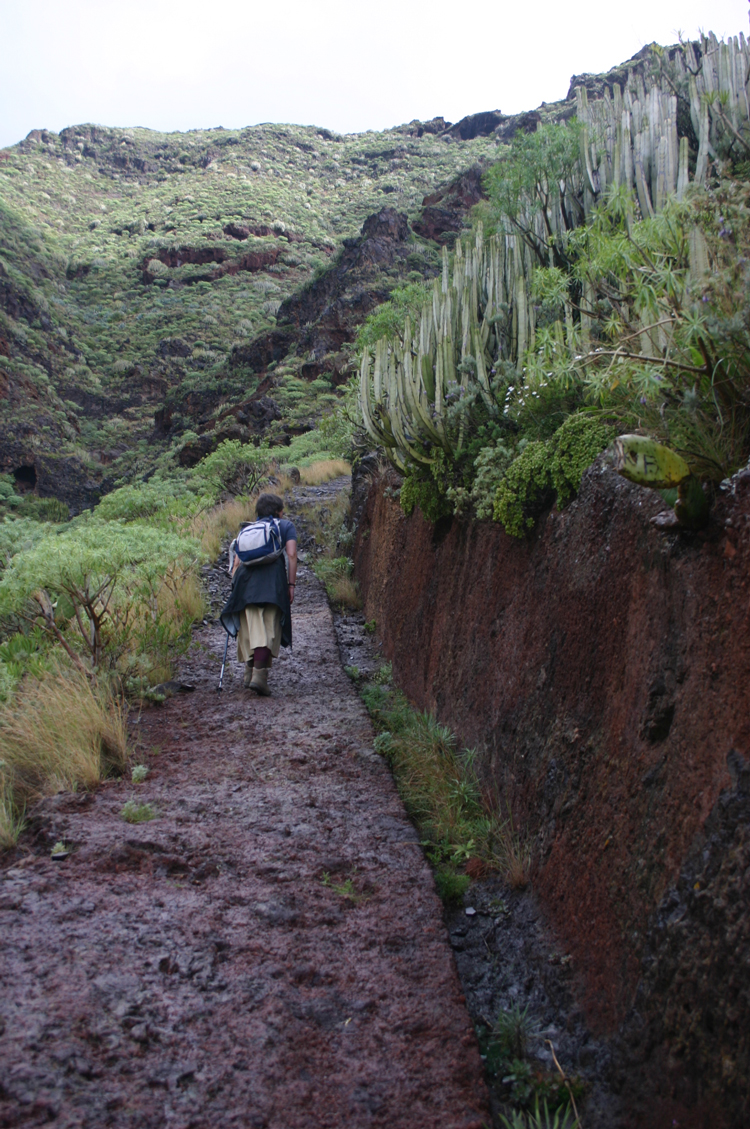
x: 260, y: 626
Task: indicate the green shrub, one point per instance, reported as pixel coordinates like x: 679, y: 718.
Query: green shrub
x: 543, y: 470
x: 451, y: 886
x: 134, y: 812
x: 575, y: 446
x: 419, y: 489
x: 44, y: 509
x: 525, y: 490
x: 490, y: 465
x: 131, y: 502
x: 388, y: 319
x: 235, y: 467
x: 104, y: 569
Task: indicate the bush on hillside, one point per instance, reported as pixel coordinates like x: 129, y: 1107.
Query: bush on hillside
x: 83, y: 586
x: 235, y: 467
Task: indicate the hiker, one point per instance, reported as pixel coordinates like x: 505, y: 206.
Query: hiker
x: 259, y: 611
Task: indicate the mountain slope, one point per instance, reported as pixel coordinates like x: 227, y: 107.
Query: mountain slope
x: 162, y: 291
x: 117, y: 242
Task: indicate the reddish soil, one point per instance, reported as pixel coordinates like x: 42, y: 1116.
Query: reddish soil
x: 209, y: 968
x: 602, y: 669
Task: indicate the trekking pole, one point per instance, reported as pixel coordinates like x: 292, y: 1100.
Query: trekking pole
x: 224, y: 662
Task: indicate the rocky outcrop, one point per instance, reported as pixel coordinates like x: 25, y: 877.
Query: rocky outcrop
x: 445, y: 212
x: 176, y: 257
x: 476, y: 125
x: 326, y: 314
x: 417, y: 128
x: 51, y: 475
x: 242, y: 421
x: 641, y: 63
x: 244, y: 231
x: 602, y: 668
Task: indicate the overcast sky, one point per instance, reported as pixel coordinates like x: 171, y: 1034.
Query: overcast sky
x: 183, y: 64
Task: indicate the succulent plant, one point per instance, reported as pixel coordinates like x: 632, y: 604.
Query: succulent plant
x: 478, y: 317
x: 482, y: 314
x: 630, y: 138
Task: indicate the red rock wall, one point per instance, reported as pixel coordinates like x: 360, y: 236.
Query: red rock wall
x: 603, y: 669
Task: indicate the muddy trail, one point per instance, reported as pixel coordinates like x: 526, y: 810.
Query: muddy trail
x: 268, y: 952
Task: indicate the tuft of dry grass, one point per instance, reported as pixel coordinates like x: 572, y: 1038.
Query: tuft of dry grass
x: 281, y: 484
x: 510, y: 849
x: 344, y: 590
x: 180, y: 599
x: 324, y: 471
x: 514, y: 858
x: 214, y: 526
x: 462, y: 827
x: 11, y: 820
x: 60, y: 732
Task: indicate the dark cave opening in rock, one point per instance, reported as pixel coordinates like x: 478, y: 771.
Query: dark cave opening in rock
x: 25, y: 477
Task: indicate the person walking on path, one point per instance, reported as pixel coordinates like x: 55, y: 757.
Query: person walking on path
x: 259, y: 610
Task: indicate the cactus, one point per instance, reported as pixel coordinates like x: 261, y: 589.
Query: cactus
x: 480, y: 314
x: 479, y: 317
x: 631, y: 138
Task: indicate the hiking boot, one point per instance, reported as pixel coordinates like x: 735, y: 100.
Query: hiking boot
x: 248, y: 673
x: 259, y: 681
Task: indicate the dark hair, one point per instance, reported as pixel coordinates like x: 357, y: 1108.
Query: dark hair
x: 269, y: 505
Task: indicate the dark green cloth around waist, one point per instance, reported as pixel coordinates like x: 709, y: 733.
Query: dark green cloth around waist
x: 260, y: 584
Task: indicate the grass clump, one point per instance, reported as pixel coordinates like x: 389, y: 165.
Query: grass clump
x: 212, y: 526
x: 459, y: 825
x: 451, y: 886
x: 11, y: 819
x: 384, y: 675
x: 542, y: 1117
x: 345, y: 889
x: 336, y: 574
x: 133, y: 812
x: 324, y: 471
x: 61, y: 732
x: 547, y: 1099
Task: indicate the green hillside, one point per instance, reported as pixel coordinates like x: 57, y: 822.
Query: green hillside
x: 133, y: 263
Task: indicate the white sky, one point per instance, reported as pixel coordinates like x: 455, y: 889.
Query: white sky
x: 182, y: 64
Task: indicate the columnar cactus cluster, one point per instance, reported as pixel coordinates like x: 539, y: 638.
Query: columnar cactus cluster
x: 483, y: 314
x: 631, y: 138
x: 477, y: 317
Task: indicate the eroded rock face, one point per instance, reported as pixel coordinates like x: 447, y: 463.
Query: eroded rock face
x: 319, y: 320
x: 602, y: 667
x: 175, y: 257
x: 329, y: 311
x: 476, y: 125
x: 49, y: 474
x: 445, y: 212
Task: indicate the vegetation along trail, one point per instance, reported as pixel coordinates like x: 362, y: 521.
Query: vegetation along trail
x: 268, y: 951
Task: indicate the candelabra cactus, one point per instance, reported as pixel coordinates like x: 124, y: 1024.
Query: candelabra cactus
x: 477, y: 317
x: 630, y: 138
x: 480, y: 313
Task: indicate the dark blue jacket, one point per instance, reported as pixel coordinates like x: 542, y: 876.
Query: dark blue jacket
x: 259, y: 584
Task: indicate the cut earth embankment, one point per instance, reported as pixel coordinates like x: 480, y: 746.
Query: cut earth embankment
x: 268, y: 952
x: 602, y: 670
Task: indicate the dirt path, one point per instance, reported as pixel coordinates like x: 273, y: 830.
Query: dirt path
x: 268, y: 952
